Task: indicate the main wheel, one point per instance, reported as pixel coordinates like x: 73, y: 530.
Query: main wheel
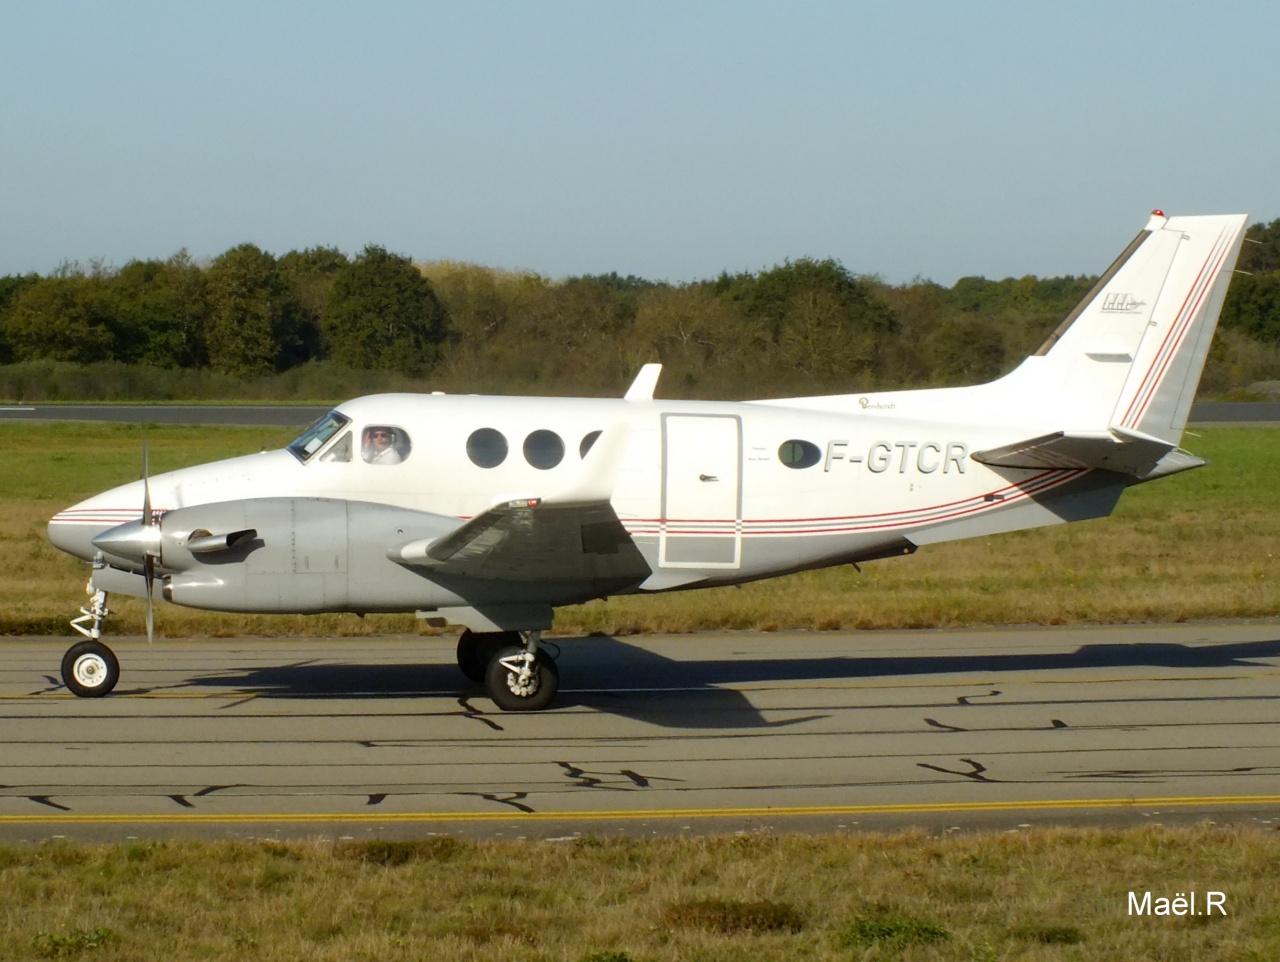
x: 477, y: 648
x: 90, y: 669
x: 512, y: 690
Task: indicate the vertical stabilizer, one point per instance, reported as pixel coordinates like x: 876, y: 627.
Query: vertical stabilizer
x: 1129, y: 357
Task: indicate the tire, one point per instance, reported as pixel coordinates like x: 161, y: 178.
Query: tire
x: 543, y: 685
x: 477, y: 648
x: 90, y: 669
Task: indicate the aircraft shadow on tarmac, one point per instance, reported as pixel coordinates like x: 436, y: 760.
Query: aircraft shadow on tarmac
x: 609, y: 675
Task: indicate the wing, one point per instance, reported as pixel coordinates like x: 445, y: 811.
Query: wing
x: 532, y: 540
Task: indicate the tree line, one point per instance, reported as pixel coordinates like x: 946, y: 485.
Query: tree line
x: 805, y: 326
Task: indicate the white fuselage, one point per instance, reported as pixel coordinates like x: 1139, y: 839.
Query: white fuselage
x: 710, y: 492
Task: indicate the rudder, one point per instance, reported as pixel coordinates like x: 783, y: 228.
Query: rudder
x: 1156, y: 397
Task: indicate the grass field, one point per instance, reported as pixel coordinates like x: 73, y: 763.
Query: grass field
x: 1039, y: 895
x: 1201, y: 545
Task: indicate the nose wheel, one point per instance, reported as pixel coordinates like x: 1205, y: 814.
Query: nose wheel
x: 90, y: 669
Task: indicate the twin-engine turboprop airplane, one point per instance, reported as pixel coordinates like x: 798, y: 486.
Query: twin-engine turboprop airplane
x: 492, y: 511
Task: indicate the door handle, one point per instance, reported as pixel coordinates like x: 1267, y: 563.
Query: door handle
x: 707, y: 477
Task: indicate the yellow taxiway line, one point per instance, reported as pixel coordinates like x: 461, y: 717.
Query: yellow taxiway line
x: 598, y: 816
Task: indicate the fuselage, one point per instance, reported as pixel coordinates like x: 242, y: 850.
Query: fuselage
x: 709, y: 492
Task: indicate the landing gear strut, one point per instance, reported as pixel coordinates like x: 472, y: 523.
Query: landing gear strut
x: 89, y: 668
x: 477, y: 648
x: 94, y: 615
x: 522, y: 677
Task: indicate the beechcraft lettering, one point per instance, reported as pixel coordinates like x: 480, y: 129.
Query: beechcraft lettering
x: 490, y: 512
x: 924, y: 457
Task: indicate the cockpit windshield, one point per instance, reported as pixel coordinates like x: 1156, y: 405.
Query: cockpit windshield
x: 313, y: 438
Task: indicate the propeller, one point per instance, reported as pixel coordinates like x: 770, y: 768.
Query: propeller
x: 138, y: 542
x: 149, y: 556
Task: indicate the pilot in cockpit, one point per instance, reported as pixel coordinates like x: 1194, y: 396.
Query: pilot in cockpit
x: 380, y: 446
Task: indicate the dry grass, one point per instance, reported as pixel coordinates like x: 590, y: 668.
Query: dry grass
x: 1040, y: 895
x: 1201, y: 545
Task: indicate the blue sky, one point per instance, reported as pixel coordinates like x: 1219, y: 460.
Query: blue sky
x: 667, y: 140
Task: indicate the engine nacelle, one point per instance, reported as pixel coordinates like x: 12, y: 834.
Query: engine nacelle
x: 292, y: 555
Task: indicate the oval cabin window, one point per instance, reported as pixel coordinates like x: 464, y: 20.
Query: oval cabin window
x: 799, y: 454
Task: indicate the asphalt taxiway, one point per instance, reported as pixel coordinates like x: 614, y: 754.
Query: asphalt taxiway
x: 722, y: 732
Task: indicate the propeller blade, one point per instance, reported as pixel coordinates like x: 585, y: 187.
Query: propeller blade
x: 149, y: 559
x: 149, y: 573
x: 146, y: 487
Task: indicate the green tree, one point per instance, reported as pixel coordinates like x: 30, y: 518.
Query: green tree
x: 1260, y: 253
x: 161, y: 309
x: 1253, y: 305
x: 66, y: 317
x: 10, y: 287
x: 700, y: 339
x: 13, y: 285
x: 1253, y: 300
x: 977, y: 294
x: 815, y: 318
x: 966, y: 350
x: 922, y: 307
x: 384, y: 314
x: 254, y: 319
x: 311, y: 274
x: 478, y: 300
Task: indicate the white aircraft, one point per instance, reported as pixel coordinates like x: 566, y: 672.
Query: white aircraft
x: 489, y: 512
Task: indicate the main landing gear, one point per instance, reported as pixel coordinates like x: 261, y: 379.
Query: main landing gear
x: 517, y: 674
x: 89, y: 668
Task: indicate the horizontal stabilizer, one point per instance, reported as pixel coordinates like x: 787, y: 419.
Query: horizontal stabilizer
x: 1118, y: 450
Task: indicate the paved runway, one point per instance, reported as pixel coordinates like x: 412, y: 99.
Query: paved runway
x: 284, y: 415
x: 657, y: 734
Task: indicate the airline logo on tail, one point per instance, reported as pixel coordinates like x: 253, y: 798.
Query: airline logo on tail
x: 1122, y: 304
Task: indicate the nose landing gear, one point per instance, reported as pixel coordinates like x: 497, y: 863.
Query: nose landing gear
x: 89, y: 668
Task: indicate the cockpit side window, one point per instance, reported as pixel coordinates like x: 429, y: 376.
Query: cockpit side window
x: 340, y: 450
x: 313, y: 438
x: 384, y: 444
